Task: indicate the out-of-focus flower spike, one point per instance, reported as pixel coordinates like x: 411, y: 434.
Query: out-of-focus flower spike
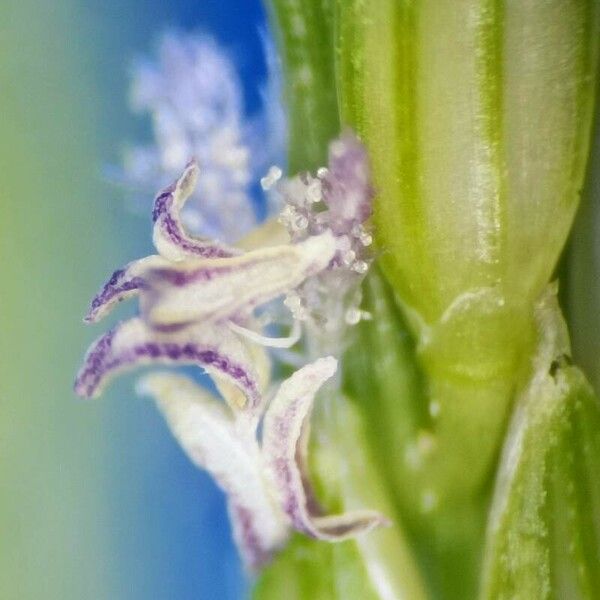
x: 170, y: 237
x: 220, y: 288
x: 132, y: 344
x: 123, y: 284
x: 283, y: 450
x: 194, y: 97
x: 209, y: 436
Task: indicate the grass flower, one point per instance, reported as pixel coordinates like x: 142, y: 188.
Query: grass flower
x: 197, y: 300
x: 189, y: 293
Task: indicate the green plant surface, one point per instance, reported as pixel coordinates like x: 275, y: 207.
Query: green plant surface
x: 304, y: 32
x: 477, y: 118
x: 544, y: 531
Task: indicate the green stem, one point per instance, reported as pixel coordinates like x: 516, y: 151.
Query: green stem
x: 456, y: 102
x: 476, y: 114
x: 582, y: 267
x: 387, y: 557
x: 544, y: 524
x: 304, y: 31
x: 389, y: 386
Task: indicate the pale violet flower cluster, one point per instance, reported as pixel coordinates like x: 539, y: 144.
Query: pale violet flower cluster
x: 336, y: 199
x: 193, y: 95
x: 197, y: 305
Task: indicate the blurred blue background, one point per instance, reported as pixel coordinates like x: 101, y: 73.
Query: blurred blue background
x: 96, y: 499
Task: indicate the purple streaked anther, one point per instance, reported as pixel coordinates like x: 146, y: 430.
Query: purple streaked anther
x: 172, y: 229
x: 103, y: 360
x: 168, y: 225
x: 119, y: 287
x: 254, y: 551
x: 181, y: 278
x: 161, y: 201
x: 284, y: 446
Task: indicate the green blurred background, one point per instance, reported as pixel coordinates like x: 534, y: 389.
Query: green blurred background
x: 55, y: 238
x: 96, y: 501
